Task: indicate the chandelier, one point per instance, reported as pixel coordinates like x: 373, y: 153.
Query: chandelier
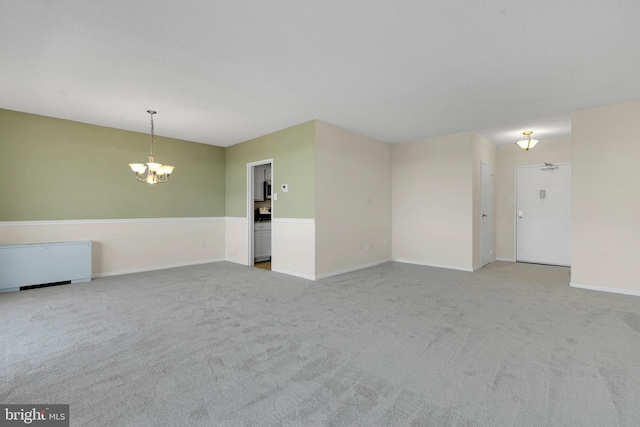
x: 152, y: 172
x: 527, y: 143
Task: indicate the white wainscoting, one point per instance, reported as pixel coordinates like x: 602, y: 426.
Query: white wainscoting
x: 237, y: 240
x: 130, y: 245
x: 122, y: 246
x: 294, y: 246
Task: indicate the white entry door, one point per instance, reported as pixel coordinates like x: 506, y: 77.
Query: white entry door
x: 487, y: 217
x: 543, y: 214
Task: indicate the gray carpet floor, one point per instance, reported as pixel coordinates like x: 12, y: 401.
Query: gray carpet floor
x: 227, y: 345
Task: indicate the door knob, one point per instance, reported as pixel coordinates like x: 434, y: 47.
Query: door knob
x: 483, y: 215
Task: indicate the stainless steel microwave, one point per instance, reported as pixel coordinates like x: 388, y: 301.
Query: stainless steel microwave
x: 267, y: 189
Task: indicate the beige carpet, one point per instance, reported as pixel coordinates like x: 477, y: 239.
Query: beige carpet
x: 227, y: 345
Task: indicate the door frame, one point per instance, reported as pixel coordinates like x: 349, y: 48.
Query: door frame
x: 250, y: 212
x: 491, y: 214
x: 515, y: 201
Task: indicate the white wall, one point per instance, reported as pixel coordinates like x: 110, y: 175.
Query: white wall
x: 130, y: 245
x: 353, y: 201
x: 605, y: 203
x: 432, y: 201
x: 552, y: 150
x: 483, y: 151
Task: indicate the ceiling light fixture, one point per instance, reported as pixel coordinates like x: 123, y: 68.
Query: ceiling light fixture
x: 155, y: 172
x: 527, y: 143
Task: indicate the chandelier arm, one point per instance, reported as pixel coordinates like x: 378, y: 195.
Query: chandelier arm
x: 141, y: 178
x: 159, y: 179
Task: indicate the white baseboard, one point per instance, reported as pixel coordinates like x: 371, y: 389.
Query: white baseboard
x: 476, y: 268
x: 604, y: 289
x: 449, y: 267
x: 293, y: 273
x: 157, y: 267
x: 350, y: 269
x: 237, y: 262
x: 506, y: 259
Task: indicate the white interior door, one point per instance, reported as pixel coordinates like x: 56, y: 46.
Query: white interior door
x: 487, y: 217
x: 543, y: 214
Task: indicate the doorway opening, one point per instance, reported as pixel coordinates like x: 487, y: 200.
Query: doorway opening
x: 259, y: 213
x: 265, y: 265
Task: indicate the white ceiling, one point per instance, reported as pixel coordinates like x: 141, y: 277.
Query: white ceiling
x: 222, y: 72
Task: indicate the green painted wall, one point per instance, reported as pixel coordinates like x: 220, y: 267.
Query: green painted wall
x: 52, y: 169
x: 293, y: 154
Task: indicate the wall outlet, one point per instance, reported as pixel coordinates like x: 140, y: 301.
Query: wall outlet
x: 203, y: 243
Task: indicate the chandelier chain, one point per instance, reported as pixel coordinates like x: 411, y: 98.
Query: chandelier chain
x: 153, y: 141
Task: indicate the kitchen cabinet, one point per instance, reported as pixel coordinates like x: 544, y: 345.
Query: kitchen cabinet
x: 258, y: 183
x: 262, y: 241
